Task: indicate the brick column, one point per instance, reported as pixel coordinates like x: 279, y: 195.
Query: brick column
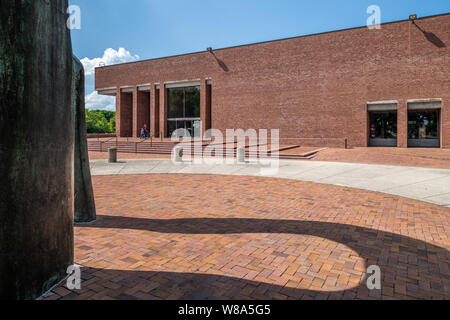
x: 402, y: 124
x: 445, y: 123
x: 162, y: 110
x: 154, y: 111
x: 124, y: 111
x: 205, y: 106
x: 118, y: 110
x: 203, y: 111
x: 140, y: 111
x: 136, y: 128
x: 135, y: 113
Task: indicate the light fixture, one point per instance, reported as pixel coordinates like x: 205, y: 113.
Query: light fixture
x: 413, y: 17
x: 209, y: 49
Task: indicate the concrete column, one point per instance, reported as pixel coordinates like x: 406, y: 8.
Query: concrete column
x: 154, y: 111
x: 402, y: 124
x: 84, y: 203
x: 162, y: 110
x: 112, y: 155
x: 37, y: 148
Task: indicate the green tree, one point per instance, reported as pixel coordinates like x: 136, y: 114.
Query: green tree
x: 100, y: 121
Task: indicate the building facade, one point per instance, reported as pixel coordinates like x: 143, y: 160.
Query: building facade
x: 371, y: 87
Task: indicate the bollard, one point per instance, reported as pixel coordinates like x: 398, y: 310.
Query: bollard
x: 112, y: 156
x: 178, y: 154
x: 241, y: 155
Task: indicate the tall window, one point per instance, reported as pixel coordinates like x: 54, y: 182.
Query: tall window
x: 183, y: 109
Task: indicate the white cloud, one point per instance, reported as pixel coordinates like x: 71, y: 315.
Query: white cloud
x: 110, y: 56
x: 100, y: 102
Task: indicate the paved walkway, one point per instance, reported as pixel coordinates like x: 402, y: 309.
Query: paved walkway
x: 412, y: 157
x: 166, y: 236
x: 423, y: 184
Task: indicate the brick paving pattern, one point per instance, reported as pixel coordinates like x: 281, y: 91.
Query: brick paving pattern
x: 230, y: 237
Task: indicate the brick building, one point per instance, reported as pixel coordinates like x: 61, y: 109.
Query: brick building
x: 386, y: 87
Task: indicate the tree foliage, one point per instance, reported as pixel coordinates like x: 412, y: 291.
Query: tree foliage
x: 100, y: 121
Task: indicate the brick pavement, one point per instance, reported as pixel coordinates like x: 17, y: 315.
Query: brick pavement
x: 231, y: 237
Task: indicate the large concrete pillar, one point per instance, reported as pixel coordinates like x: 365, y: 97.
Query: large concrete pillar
x: 84, y: 195
x: 36, y: 147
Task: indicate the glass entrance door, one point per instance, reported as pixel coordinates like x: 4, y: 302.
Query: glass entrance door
x: 191, y: 126
x: 424, y: 129
x: 383, y: 129
x: 183, y: 110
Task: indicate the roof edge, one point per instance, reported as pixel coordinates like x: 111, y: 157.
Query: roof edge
x: 269, y: 41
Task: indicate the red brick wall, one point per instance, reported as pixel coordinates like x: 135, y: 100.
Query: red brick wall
x: 313, y: 87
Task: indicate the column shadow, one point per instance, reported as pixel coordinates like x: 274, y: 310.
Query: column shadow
x: 414, y: 265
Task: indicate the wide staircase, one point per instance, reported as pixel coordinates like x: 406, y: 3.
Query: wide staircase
x: 146, y: 146
x: 166, y: 147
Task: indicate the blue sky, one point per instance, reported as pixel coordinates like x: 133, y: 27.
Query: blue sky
x: 147, y: 29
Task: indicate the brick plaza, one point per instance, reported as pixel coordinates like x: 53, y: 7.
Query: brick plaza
x: 225, y: 237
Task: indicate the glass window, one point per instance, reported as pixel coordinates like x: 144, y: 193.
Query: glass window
x: 192, y: 99
x: 183, y: 109
x: 423, y: 124
x: 183, y: 102
x: 383, y: 125
x: 175, y: 103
